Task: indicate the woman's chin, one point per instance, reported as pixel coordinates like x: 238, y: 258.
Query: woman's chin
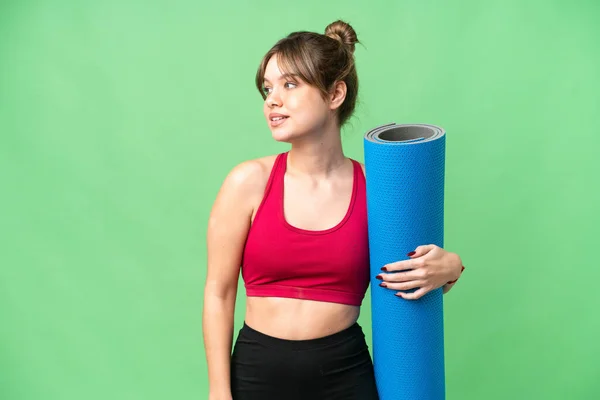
x: 282, y: 136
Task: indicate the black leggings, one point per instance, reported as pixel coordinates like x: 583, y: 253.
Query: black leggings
x: 335, y: 367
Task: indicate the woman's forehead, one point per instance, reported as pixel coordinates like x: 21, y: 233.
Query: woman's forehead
x: 274, y: 73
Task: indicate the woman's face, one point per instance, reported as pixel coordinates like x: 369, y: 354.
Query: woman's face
x: 293, y: 109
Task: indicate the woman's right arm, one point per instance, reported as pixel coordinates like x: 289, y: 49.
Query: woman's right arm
x: 228, y: 227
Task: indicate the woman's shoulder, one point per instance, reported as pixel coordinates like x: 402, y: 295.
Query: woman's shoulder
x: 243, y: 187
x: 251, y: 176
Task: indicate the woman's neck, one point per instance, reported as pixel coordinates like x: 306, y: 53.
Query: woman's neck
x: 317, y: 155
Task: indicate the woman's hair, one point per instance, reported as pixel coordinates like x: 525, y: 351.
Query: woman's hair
x: 319, y: 60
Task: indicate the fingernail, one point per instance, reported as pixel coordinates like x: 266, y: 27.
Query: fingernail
x: 412, y: 253
x: 383, y: 268
x: 383, y: 284
x: 379, y: 277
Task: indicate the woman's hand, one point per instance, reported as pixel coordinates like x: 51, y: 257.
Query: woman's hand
x: 428, y: 268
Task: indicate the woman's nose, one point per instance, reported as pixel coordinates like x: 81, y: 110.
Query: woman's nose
x: 274, y: 100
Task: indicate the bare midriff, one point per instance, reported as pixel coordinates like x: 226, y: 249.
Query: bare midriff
x: 298, y: 319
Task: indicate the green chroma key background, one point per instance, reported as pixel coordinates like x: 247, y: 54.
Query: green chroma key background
x: 120, y: 119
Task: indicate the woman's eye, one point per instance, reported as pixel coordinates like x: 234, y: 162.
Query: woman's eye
x: 266, y: 90
x: 292, y: 84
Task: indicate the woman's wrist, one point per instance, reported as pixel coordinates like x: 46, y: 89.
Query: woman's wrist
x: 456, y: 280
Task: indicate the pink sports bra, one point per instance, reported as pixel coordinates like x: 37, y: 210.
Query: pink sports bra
x: 329, y: 265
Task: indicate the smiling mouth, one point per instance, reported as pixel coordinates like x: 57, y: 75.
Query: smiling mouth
x: 277, y: 121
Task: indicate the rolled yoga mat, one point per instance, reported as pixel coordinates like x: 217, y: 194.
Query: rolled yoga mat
x: 405, y: 168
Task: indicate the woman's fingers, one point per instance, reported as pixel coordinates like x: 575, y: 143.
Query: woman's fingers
x: 406, y: 280
x: 406, y: 276
x: 404, y: 265
x: 414, y: 295
x: 402, y: 285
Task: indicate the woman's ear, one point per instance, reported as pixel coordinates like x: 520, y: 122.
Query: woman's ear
x: 338, y: 95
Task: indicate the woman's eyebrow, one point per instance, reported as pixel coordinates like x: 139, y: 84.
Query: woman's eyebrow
x: 282, y: 77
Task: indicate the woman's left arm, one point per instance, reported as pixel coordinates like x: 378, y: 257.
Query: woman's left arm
x: 429, y: 267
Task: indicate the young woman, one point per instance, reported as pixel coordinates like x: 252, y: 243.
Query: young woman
x: 296, y: 225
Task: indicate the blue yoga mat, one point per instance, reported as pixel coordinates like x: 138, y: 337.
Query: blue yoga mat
x: 405, y: 167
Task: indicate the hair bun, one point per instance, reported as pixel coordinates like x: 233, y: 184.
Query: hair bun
x: 342, y: 32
